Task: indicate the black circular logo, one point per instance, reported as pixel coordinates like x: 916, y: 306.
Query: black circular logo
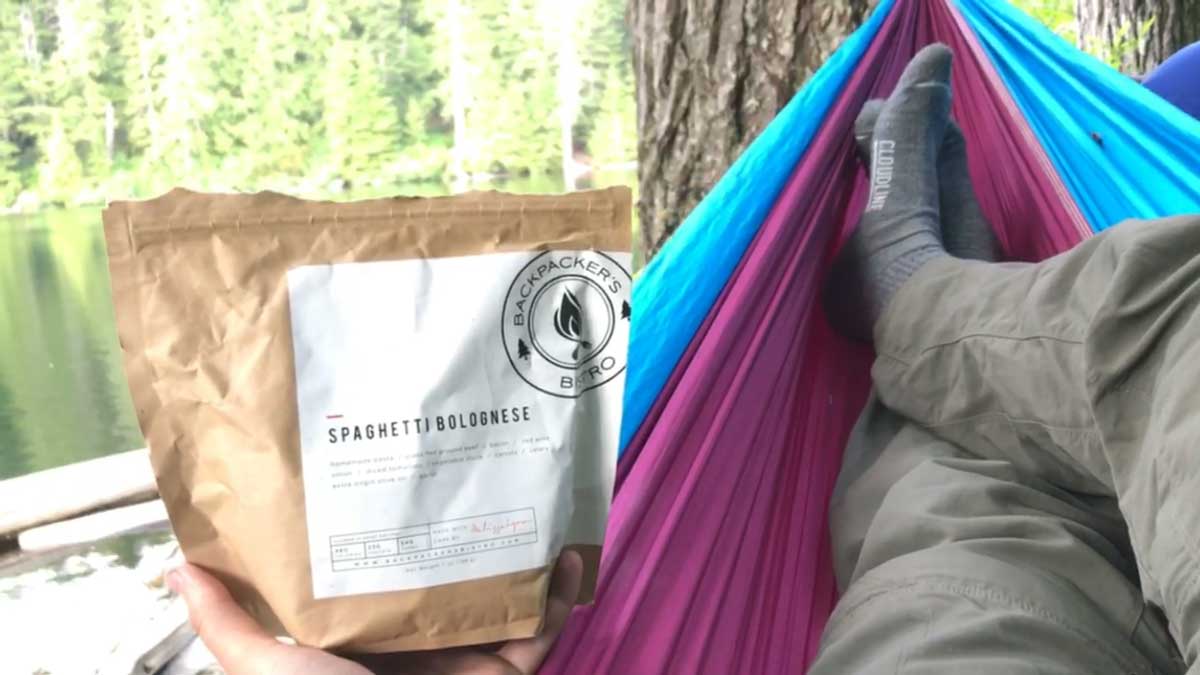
x: 565, y: 321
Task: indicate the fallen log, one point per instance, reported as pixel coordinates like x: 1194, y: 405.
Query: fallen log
x: 74, y: 490
x: 94, y: 527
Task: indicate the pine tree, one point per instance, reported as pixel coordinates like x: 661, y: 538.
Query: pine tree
x: 60, y: 172
x: 138, y: 55
x: 66, y: 108
x: 509, y: 122
x: 404, y: 44
x: 262, y: 128
x: 361, y: 125
x: 14, y: 99
x: 110, y: 98
x: 401, y: 35
x: 609, y: 51
x: 561, y: 18
x: 75, y: 70
x: 454, y: 95
x: 175, y: 89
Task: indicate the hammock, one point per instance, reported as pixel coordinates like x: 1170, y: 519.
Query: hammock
x: 739, y: 397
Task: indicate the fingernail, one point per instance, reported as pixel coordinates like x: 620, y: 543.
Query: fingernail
x: 175, y: 580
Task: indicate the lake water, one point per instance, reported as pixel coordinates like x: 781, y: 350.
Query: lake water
x: 63, y: 396
x: 62, y: 392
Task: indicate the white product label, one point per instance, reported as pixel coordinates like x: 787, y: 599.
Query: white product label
x: 459, y: 417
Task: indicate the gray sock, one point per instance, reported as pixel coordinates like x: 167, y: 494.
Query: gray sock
x: 966, y: 233
x: 899, y: 230
x: 864, y: 128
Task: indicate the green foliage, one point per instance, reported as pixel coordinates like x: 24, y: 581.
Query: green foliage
x: 14, y: 98
x: 107, y: 99
x: 511, y: 107
x: 360, y: 121
x: 609, y: 119
x: 1059, y: 16
x: 259, y: 129
x: 60, y: 171
x: 1128, y: 41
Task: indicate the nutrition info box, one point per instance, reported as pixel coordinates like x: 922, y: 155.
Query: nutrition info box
x: 433, y: 541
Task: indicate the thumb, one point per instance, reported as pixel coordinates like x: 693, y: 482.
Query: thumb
x: 233, y: 637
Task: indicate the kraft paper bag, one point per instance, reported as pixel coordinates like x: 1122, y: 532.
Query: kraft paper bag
x: 379, y: 423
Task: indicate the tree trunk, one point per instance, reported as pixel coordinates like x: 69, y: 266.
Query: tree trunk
x: 710, y: 75
x: 1113, y: 29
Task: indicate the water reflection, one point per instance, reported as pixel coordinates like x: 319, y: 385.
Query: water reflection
x: 14, y: 454
x: 62, y: 392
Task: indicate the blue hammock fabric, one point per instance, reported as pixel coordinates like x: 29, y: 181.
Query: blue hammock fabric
x: 1122, y: 151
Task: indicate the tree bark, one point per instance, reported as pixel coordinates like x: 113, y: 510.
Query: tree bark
x: 1112, y: 26
x: 710, y: 75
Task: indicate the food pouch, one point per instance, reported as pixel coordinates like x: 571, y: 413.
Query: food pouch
x: 379, y: 423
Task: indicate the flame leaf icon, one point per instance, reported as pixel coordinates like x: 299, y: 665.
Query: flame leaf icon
x: 568, y: 322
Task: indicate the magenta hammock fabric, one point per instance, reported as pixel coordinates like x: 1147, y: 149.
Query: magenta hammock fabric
x: 716, y: 558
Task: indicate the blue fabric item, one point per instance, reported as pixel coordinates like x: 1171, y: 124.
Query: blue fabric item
x: 683, y: 281
x: 1178, y: 79
x: 1146, y: 160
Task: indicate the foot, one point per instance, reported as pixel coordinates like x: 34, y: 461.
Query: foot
x: 966, y: 233
x: 899, y: 230
x: 864, y: 128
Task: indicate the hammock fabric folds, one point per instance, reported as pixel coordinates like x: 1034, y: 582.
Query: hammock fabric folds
x: 739, y: 396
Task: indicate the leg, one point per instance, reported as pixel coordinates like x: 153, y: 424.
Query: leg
x: 950, y: 562
x: 1081, y: 370
x: 954, y: 564
x: 874, y: 461
x: 899, y: 230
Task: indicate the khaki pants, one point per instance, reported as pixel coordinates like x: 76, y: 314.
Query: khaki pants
x: 1022, y: 493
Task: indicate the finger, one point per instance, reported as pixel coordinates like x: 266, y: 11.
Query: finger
x: 527, y: 655
x: 233, y: 637
x: 458, y: 663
